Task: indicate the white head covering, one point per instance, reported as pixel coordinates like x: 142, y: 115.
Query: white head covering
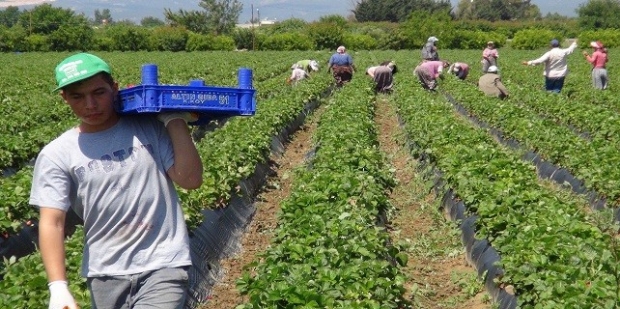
x: 314, y: 65
x: 596, y: 44
x: 341, y: 49
x: 433, y: 39
x: 492, y: 69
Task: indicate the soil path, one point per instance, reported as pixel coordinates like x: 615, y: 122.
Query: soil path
x: 439, y: 276
x: 258, y: 234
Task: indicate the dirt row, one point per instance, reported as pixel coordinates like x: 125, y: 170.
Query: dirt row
x: 439, y: 276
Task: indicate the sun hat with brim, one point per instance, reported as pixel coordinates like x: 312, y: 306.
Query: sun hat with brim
x: 77, y: 68
x: 596, y: 44
x: 433, y: 39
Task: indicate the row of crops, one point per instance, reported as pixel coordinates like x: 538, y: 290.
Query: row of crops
x: 328, y: 251
x: 229, y: 155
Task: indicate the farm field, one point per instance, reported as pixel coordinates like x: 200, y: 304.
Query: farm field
x: 350, y: 215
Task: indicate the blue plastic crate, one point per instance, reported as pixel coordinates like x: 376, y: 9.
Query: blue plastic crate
x: 208, y: 101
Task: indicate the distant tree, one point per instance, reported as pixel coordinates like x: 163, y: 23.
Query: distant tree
x: 244, y: 38
x: 335, y: 19
x: 420, y: 25
x: 222, y: 15
x: 127, y: 37
x: 71, y: 37
x: 370, y: 11
x: 218, y: 17
x: 195, y: 21
x: 556, y: 16
x: 494, y: 10
x: 45, y: 19
x: 9, y: 16
x: 287, y: 25
x: 326, y: 35
x: 103, y: 17
x: 151, y: 22
x: 13, y: 39
x: 168, y: 38
x: 396, y: 10
x: 126, y: 22
x: 599, y: 14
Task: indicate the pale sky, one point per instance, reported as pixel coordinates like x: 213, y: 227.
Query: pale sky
x: 309, y: 10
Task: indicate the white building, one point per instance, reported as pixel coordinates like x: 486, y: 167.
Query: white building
x: 263, y: 22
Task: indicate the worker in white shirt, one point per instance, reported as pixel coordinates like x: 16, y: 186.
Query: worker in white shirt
x: 556, y: 68
x: 297, y: 74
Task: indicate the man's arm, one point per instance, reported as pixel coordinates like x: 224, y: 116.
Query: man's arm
x: 52, y: 243
x: 571, y: 48
x: 52, y: 247
x: 187, y: 168
x: 540, y: 60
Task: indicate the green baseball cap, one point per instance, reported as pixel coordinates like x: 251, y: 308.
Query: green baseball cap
x: 79, y: 67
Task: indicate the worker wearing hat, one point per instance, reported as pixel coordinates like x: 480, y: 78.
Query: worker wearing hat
x: 118, y: 173
x: 429, y: 50
x: 341, y: 65
x: 489, y: 56
x: 491, y: 84
x: 556, y: 67
x: 598, y: 59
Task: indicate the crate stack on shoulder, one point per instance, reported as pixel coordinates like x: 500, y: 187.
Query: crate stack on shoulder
x: 210, y: 102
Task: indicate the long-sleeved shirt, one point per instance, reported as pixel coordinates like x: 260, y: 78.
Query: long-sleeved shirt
x: 298, y: 74
x: 429, y: 52
x: 433, y: 68
x: 340, y: 59
x: 555, y: 61
x: 491, y: 85
x: 462, y: 71
x: 489, y: 53
x: 598, y: 59
x: 371, y: 71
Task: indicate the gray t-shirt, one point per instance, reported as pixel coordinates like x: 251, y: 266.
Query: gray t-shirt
x: 116, y: 181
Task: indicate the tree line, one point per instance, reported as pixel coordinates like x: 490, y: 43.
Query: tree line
x: 374, y: 24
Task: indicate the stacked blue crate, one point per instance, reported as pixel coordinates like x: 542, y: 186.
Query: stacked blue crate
x: 210, y: 102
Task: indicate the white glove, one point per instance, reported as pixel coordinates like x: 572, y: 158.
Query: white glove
x: 186, y: 116
x: 60, y: 297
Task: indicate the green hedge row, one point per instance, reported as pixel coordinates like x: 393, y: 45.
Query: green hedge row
x: 287, y: 35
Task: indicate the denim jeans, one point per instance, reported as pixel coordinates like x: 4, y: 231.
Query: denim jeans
x: 554, y: 84
x: 159, y: 289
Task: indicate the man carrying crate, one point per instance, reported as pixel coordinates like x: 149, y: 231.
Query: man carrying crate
x: 118, y: 173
